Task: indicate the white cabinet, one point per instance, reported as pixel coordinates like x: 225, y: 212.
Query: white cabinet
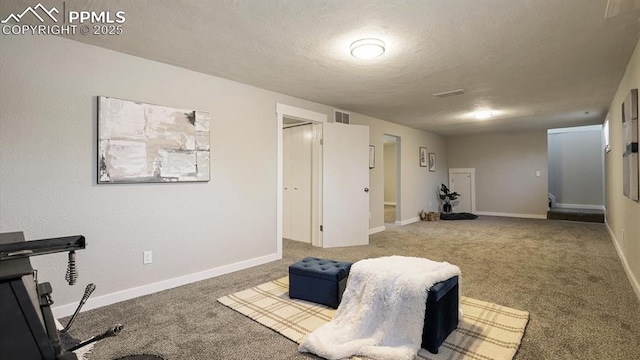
x: 297, y: 149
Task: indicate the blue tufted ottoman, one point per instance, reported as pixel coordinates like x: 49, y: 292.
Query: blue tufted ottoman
x: 318, y: 280
x: 441, y: 316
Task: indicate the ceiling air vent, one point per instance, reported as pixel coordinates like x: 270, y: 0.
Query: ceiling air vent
x: 341, y: 117
x: 449, y: 93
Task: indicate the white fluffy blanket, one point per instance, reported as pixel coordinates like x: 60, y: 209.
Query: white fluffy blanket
x: 381, y: 315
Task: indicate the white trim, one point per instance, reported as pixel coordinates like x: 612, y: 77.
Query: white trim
x: 316, y: 185
x: 388, y: 139
x: 293, y: 112
x: 524, y: 216
x: 377, y: 230
x: 472, y: 172
x: 399, y: 166
x: 575, y: 129
x: 579, y: 206
x: 279, y: 179
x: 632, y: 279
x: 408, y: 221
x: 108, y: 299
x: 300, y: 114
x: 389, y: 203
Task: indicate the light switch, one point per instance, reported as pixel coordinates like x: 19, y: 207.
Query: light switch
x: 538, y: 173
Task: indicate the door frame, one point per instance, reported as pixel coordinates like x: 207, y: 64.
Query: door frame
x: 317, y: 118
x: 397, y: 174
x: 472, y: 172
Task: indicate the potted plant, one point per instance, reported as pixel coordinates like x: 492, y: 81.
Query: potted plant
x: 447, y: 197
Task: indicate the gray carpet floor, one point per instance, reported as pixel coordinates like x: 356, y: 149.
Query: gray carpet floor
x: 566, y: 274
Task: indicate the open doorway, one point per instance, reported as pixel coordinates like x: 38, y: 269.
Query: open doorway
x: 297, y: 116
x: 576, y: 173
x: 337, y: 149
x: 297, y: 163
x: 391, y: 170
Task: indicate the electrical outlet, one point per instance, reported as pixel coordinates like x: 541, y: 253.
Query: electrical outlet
x: 147, y: 258
x: 538, y: 173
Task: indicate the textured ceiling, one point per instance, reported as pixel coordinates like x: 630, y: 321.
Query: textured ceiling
x: 538, y: 63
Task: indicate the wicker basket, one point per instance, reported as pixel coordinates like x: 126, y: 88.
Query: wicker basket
x: 433, y: 216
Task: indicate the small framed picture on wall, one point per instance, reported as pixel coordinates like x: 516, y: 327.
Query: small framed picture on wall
x: 423, y: 157
x: 432, y: 161
x: 372, y: 156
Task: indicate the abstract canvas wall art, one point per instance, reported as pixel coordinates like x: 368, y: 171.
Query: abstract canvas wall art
x: 142, y: 143
x: 630, y: 160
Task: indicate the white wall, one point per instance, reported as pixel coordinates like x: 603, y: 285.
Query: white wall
x: 48, y: 89
x: 506, y: 165
x: 576, y: 165
x: 48, y: 167
x: 622, y: 213
x: 389, y: 163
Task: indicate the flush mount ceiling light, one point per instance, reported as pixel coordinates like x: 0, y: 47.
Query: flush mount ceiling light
x: 367, y: 48
x: 483, y: 114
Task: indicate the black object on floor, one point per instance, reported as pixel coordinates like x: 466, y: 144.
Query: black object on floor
x: 68, y: 341
x: 141, y: 357
x: 458, y: 216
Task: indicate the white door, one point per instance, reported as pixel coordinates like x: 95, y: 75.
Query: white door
x: 287, y: 183
x: 296, y: 207
x: 301, y: 174
x: 461, y: 182
x: 345, y: 185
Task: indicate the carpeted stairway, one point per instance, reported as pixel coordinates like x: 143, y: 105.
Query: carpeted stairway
x: 586, y: 215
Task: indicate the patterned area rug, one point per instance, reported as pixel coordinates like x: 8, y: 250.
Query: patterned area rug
x: 487, y: 331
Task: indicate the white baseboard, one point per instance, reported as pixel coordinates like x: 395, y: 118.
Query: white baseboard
x: 108, y: 299
x: 390, y: 203
x: 632, y: 279
x: 524, y: 216
x: 408, y: 221
x: 377, y: 230
x: 579, y: 206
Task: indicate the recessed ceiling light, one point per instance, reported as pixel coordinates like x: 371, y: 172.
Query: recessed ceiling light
x: 367, y: 48
x: 483, y: 114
